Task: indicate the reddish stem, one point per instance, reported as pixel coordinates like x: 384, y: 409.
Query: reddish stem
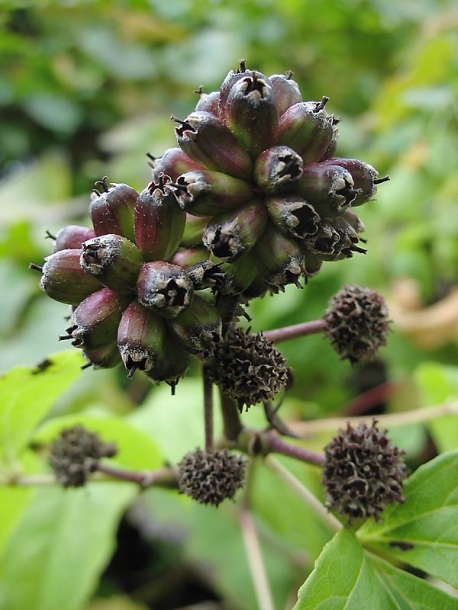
x: 296, y: 330
x: 162, y: 477
x: 271, y: 443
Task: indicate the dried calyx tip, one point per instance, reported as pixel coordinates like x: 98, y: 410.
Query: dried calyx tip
x: 103, y: 184
x: 320, y: 105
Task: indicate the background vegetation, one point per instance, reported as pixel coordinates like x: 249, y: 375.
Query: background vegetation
x: 86, y: 89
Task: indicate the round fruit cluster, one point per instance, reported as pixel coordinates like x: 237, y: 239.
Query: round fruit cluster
x: 130, y: 304
x: 256, y: 164
x: 252, y: 199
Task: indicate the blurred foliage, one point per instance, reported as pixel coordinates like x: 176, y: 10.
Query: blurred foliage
x: 87, y: 89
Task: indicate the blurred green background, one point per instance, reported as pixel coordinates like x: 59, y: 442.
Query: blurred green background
x: 87, y: 89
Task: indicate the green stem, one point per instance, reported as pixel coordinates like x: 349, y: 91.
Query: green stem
x: 162, y: 477
x: 391, y: 419
x: 232, y: 425
x: 208, y: 410
x: 296, y: 330
x: 304, y: 494
x: 255, y: 560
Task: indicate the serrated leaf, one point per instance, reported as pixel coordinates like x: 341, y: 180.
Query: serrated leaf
x: 346, y: 577
x: 27, y: 394
x: 424, y: 530
x: 64, y: 541
x: 135, y: 447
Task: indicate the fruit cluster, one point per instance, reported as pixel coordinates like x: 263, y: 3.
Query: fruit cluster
x: 256, y: 163
x: 251, y: 200
x: 130, y: 304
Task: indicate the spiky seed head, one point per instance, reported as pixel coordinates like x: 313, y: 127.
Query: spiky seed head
x: 209, y: 477
x: 363, y: 472
x: 357, y: 323
x: 248, y: 368
x: 74, y: 454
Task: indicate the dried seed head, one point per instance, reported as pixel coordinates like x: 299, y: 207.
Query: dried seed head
x: 248, y: 368
x: 211, y: 476
x: 357, y: 323
x: 363, y: 472
x: 74, y: 455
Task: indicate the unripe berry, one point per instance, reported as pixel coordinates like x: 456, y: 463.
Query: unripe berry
x: 208, y: 141
x: 306, y: 128
x: 72, y: 237
x: 159, y: 221
x: 164, y: 288
x: 251, y: 112
x: 113, y: 260
x: 278, y: 170
x: 205, y: 193
x: 112, y: 210
x: 94, y: 323
x: 287, y: 92
x: 229, y: 236
x: 64, y: 280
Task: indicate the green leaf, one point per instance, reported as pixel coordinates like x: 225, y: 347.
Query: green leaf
x: 424, y: 530
x: 135, y: 447
x: 64, y: 541
x: 27, y: 394
x: 13, y: 502
x: 346, y: 577
x: 437, y: 382
x: 444, y: 431
x: 213, y: 537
